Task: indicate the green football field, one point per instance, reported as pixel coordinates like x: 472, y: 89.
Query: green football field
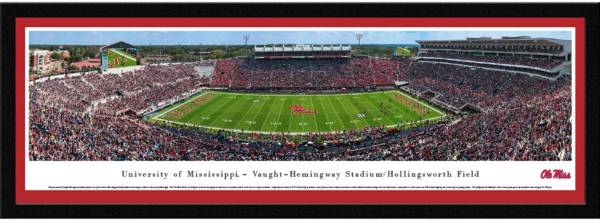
x: 297, y: 113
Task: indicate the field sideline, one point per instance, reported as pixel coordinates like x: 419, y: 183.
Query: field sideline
x: 266, y: 113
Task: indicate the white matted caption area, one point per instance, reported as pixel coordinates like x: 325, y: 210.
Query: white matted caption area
x: 331, y: 175
x: 372, y: 175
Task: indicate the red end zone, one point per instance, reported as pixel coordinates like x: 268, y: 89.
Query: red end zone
x: 299, y: 197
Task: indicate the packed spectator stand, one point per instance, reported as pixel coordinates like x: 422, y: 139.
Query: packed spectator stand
x: 521, y: 118
x: 308, y: 73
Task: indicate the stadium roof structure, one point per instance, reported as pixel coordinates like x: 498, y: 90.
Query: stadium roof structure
x: 302, y: 48
x: 504, y: 39
x: 515, y: 41
x: 119, y: 44
x: 301, y: 51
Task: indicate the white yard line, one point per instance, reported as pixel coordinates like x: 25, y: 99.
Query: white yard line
x: 279, y: 115
x: 327, y: 118
x: 304, y: 124
x: 212, y: 111
x: 267, y: 118
x: 357, y: 111
x: 257, y: 113
x: 241, y: 121
x: 337, y: 114
x: 424, y: 104
x: 374, y: 105
x: 290, y: 119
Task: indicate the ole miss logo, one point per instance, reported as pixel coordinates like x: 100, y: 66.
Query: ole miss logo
x: 555, y: 174
x: 299, y: 109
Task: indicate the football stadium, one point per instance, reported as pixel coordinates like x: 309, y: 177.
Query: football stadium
x: 468, y: 99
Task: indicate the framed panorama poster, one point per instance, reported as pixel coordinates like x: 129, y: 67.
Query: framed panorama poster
x: 300, y: 110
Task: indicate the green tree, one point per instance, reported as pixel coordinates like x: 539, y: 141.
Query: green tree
x: 56, y: 56
x: 218, y: 53
x: 90, y: 53
x: 75, y: 58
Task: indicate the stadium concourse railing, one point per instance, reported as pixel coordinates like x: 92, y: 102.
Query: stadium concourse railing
x: 487, y: 63
x: 77, y: 74
x: 562, y: 54
x: 61, y: 76
x: 110, y: 71
x: 529, y: 71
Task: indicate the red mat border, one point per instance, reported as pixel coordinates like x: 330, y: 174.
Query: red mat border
x: 300, y: 197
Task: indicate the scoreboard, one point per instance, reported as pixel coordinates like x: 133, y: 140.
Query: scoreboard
x: 402, y: 52
x: 104, y: 63
x: 117, y: 55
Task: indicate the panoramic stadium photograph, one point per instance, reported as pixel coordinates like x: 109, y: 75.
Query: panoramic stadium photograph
x: 306, y: 95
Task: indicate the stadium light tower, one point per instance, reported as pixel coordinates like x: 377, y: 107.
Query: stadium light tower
x: 246, y: 38
x: 359, y: 37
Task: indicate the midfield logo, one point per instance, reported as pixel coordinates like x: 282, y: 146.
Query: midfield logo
x: 299, y: 109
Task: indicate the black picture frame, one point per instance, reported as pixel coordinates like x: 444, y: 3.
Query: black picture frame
x: 9, y: 12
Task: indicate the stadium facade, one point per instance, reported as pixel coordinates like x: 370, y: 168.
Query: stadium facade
x: 304, y: 51
x: 542, y: 57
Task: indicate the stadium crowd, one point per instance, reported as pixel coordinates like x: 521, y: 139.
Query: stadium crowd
x: 311, y: 73
x: 109, y: 93
x: 459, y: 85
x: 522, y: 117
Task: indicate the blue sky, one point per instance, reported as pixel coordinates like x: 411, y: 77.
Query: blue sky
x: 266, y: 37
